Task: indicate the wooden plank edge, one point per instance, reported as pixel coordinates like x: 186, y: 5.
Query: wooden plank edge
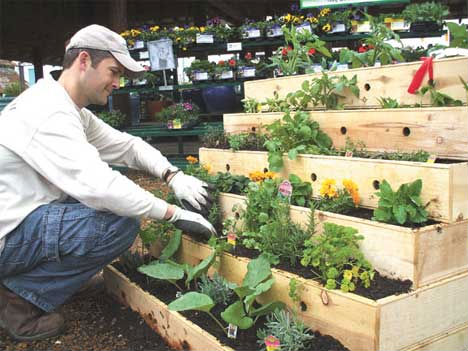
x: 168, y: 324
x: 455, y: 339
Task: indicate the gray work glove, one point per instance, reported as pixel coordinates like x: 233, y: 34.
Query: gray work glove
x: 192, y: 223
x: 192, y: 193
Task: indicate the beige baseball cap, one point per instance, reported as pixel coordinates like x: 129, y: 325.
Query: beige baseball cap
x: 101, y: 38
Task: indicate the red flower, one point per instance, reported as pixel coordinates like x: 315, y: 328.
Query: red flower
x: 232, y: 62
x: 284, y: 52
x: 221, y: 62
x: 248, y: 56
x: 311, y: 51
x: 362, y: 49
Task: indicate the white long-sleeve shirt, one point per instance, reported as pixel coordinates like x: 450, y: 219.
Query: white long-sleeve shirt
x: 49, y: 149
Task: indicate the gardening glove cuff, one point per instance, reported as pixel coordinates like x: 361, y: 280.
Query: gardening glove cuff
x: 192, y: 193
x: 192, y: 223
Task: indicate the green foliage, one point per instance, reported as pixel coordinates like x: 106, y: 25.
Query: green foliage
x: 294, y: 288
x: 276, y: 104
x: 294, y: 135
x: 324, y: 91
x: 183, y: 111
x: 341, y: 203
x: 12, y: 89
x: 251, y: 106
x: 302, y: 191
x: 200, y: 66
x: 427, y: 11
x: 388, y: 102
x: 216, y: 287
x: 156, y: 231
x: 113, y: 118
x: 401, y: 207
x: 291, y: 331
x: 257, y: 281
x: 438, y: 99
x: 229, y: 183
x: 459, y: 35
x: 215, y: 137
x: 335, y: 254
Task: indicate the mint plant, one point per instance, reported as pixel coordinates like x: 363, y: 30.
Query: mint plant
x: 403, y: 207
x: 335, y: 258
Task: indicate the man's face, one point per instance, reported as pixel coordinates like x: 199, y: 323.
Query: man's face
x: 99, y: 82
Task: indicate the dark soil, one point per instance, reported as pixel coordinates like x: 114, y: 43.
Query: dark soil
x: 95, y: 323
x: 246, y: 339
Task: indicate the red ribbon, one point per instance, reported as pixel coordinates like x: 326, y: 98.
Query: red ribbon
x: 427, y: 66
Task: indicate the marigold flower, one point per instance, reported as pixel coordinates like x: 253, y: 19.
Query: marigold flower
x: 207, y: 168
x: 269, y: 175
x: 191, y: 159
x: 327, y: 27
x: 328, y: 188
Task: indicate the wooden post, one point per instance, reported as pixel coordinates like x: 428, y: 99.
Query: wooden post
x: 118, y: 15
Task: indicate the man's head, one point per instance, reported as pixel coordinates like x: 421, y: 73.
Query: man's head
x: 94, y: 61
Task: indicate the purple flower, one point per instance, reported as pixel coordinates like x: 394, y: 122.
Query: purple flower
x: 294, y: 8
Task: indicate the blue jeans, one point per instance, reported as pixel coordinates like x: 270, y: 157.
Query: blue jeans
x: 58, y: 247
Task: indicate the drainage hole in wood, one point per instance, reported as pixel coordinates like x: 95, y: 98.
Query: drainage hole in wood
x: 367, y: 86
x: 376, y: 184
x: 313, y: 176
x: 228, y: 167
x: 406, y: 131
x: 343, y: 130
x: 303, y: 306
x: 265, y: 170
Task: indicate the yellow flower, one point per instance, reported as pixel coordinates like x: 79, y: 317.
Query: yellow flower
x: 191, y: 159
x: 184, y: 49
x: 178, y: 39
x: 259, y: 107
x: 327, y: 27
x: 202, y: 29
x: 269, y: 175
x: 131, y: 42
x: 348, y: 274
x: 125, y: 34
x: 324, y: 12
x: 154, y: 28
x: 207, y: 168
x: 312, y: 19
x: 287, y: 18
x: 328, y: 188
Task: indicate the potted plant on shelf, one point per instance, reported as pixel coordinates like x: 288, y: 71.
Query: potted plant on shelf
x: 183, y: 115
x: 200, y: 70
x: 251, y: 29
x: 273, y: 28
x: 115, y: 118
x: 224, y: 69
x: 221, y: 31
x: 134, y: 38
x: 340, y: 21
x: 425, y: 17
x: 247, y: 66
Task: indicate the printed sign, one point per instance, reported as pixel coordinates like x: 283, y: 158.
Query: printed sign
x: 285, y: 188
x: 234, y: 46
x: 161, y: 55
x: 204, y: 39
x: 342, y: 3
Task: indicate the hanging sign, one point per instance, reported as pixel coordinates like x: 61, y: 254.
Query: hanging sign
x: 342, y: 3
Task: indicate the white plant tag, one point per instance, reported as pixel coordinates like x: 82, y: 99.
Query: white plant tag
x: 201, y: 75
x: 274, y: 32
x: 204, y: 39
x: 253, y: 33
x: 139, y: 44
x: 234, y: 46
x: 339, y: 27
x: 144, y: 55
x: 178, y: 294
x: 227, y: 75
x: 248, y: 72
x: 232, y: 331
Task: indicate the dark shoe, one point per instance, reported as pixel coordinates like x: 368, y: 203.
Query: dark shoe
x: 92, y: 287
x: 24, y: 321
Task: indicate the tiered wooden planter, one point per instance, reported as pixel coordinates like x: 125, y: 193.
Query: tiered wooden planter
x: 441, y: 131
x: 444, y: 185
x: 423, y: 255
x: 387, y: 81
x: 432, y: 317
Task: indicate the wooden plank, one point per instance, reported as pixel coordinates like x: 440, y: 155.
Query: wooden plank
x: 428, y: 311
x: 442, y: 131
x: 423, y: 255
x: 391, y: 323
x: 375, y: 82
x: 176, y: 330
x: 349, y: 318
x: 367, y: 173
x: 453, y: 340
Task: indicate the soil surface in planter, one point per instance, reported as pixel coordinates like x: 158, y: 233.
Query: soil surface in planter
x: 95, y: 323
x: 246, y: 339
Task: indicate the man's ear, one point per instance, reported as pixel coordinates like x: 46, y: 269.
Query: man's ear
x: 84, y: 60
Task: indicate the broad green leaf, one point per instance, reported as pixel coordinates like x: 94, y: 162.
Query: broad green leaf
x: 399, y: 212
x: 275, y: 162
x: 415, y: 188
x: 381, y: 215
x: 172, y: 246
x: 300, y: 201
x: 457, y: 30
x: 386, y: 190
x: 263, y: 217
x: 259, y: 289
x: 201, y: 268
x: 147, y: 236
x: 236, y: 315
x: 294, y: 179
x: 258, y: 270
x: 243, y: 291
x: 192, y: 301
x: 165, y: 271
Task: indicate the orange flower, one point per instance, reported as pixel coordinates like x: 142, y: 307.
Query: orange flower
x: 192, y: 160
x: 207, y: 168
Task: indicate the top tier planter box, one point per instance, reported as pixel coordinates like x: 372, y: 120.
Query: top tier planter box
x: 375, y: 82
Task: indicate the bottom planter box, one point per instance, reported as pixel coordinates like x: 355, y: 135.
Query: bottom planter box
x: 181, y: 334
x: 391, y: 323
x: 423, y: 255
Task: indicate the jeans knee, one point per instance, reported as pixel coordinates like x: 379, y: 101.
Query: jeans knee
x: 129, y: 228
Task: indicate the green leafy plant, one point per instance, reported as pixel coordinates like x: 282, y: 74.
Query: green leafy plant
x: 437, y: 98
x: 113, y: 118
x: 291, y: 332
x: 183, y: 111
x: 13, y: 89
x: 277, y: 104
x: 251, y: 106
x: 401, y: 207
x: 295, y: 134
x: 302, y: 191
x: 388, y: 102
x: 427, y: 11
x: 335, y: 258
x: 230, y: 183
x: 200, y: 66
x: 216, y: 287
x: 215, y: 137
x: 459, y: 35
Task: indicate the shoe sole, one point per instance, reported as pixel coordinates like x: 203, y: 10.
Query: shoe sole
x: 42, y: 336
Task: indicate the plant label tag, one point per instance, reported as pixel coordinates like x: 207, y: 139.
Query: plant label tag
x: 204, y: 39
x: 304, y: 28
x: 166, y: 88
x: 144, y: 55
x: 272, y: 343
x: 248, y: 72
x: 227, y: 75
x: 178, y: 294
x: 363, y: 27
x: 253, y: 33
x: 139, y: 44
x: 176, y: 124
x: 285, y: 189
x: 339, y: 27
x: 201, y: 75
x: 399, y: 24
x: 349, y: 154
x: 234, y: 46
x: 232, y: 331
x: 274, y: 32
x: 170, y: 125
x: 431, y: 159
x: 317, y: 68
x: 231, y: 238
x: 342, y: 67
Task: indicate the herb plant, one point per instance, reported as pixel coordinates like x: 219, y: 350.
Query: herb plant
x: 252, y: 106
x: 113, y: 118
x: 291, y: 331
x: 427, y: 11
x: 437, y: 98
x: 459, y: 35
x: 335, y: 258
x: 401, y: 207
x: 302, y: 191
x: 277, y: 104
x: 295, y: 134
x: 216, y: 287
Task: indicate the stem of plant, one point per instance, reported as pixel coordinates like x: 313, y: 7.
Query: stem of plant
x: 217, y: 322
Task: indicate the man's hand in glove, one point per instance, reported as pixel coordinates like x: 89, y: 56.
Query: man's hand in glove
x: 191, y: 223
x: 192, y: 193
